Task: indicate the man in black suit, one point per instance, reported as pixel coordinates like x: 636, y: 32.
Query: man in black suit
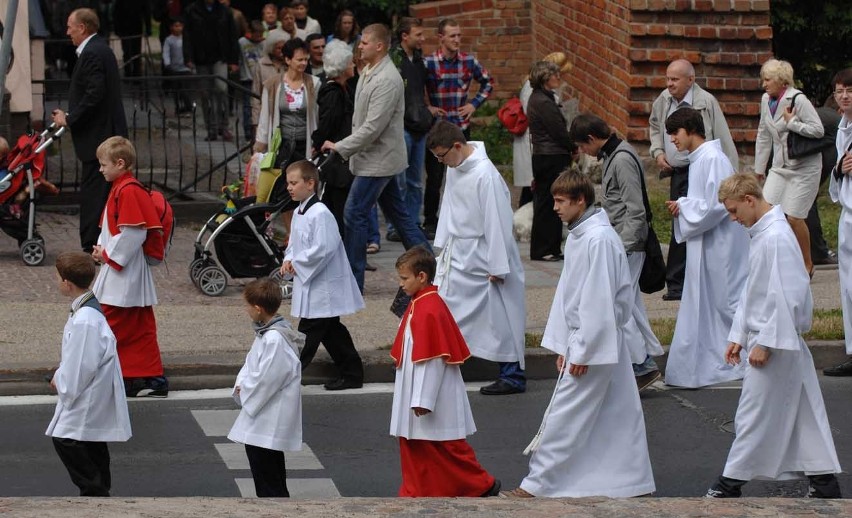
x: 95, y: 113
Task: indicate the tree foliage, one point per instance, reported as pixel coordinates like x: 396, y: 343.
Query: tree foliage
x: 816, y: 38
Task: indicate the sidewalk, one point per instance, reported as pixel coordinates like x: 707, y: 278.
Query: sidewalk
x: 204, y: 339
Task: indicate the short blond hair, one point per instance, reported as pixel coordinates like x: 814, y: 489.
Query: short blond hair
x: 88, y: 18
x: 737, y: 186
x: 777, y: 69
x: 118, y: 148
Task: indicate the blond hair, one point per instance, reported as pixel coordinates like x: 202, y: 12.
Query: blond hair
x: 88, y: 18
x: 777, y: 69
x: 117, y: 148
x: 737, y: 186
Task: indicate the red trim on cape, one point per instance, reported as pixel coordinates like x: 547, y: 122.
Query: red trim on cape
x: 135, y: 208
x: 434, y: 331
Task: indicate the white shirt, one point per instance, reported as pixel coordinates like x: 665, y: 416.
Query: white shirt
x: 79, y: 49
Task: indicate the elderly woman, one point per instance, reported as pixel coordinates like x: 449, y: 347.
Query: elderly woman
x: 335, y: 108
x: 791, y: 183
x: 551, y: 154
x: 271, y: 63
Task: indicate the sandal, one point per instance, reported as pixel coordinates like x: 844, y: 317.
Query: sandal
x: 373, y: 248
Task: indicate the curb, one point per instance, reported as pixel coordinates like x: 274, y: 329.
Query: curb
x: 188, y: 373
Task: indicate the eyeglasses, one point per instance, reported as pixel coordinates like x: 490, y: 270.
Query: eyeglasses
x: 840, y: 91
x: 442, y: 155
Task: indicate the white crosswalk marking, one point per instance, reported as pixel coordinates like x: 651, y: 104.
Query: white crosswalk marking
x: 217, y: 423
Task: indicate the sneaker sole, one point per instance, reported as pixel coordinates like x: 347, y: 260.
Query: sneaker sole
x: 150, y: 393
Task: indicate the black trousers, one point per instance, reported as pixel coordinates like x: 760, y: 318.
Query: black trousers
x: 87, y: 463
x: 546, y: 236
x: 432, y: 190
x: 337, y: 341
x: 268, y: 471
x: 94, y: 193
x: 676, y: 260
x: 335, y: 199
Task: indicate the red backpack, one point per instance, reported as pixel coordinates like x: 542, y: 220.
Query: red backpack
x: 158, y: 241
x: 512, y: 117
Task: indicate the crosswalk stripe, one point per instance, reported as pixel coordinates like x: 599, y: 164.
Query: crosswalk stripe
x: 234, y: 455
x: 299, y: 488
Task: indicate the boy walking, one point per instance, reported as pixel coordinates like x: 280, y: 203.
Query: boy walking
x: 91, y: 409
x: 782, y: 430
x: 480, y: 274
x: 592, y: 439
x: 323, y: 285
x: 431, y: 413
x: 268, y: 390
x: 125, y: 284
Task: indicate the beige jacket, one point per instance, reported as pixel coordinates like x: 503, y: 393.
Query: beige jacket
x: 772, y: 135
x: 376, y: 146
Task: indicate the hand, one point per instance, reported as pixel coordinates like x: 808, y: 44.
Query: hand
x: 237, y: 390
x: 788, y: 114
x: 327, y: 146
x: 494, y: 278
x: 98, y: 254
x: 760, y: 178
x: 59, y: 118
x: 577, y: 370
x: 287, y: 268
x: 466, y: 111
x: 420, y: 411
x: 233, y: 68
x: 732, y: 353
x: 673, y: 207
x: 846, y: 165
x: 437, y: 112
x: 53, y: 383
x: 560, y: 363
x: 759, y: 356
x: 259, y: 147
x: 662, y: 162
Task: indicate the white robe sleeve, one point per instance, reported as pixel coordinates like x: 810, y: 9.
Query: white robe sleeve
x: 698, y: 215
x: 274, y: 370
x: 788, y: 306
x: 123, y: 246
x: 738, y: 333
x: 595, y: 342
x: 427, y: 378
x: 81, y: 355
x: 495, y: 236
x: 312, y: 259
x: 237, y: 383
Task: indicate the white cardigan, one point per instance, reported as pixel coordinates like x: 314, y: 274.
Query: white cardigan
x: 268, y: 121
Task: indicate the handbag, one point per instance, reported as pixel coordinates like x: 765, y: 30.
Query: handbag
x: 800, y: 146
x: 268, y: 159
x: 653, y: 276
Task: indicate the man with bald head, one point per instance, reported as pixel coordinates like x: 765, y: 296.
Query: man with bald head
x: 682, y: 91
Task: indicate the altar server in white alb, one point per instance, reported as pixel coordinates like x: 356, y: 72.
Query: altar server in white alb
x: 91, y: 409
x: 480, y: 274
x: 269, y: 391
x: 716, y: 261
x: 323, y: 285
x: 782, y: 430
x: 840, y: 189
x: 592, y: 439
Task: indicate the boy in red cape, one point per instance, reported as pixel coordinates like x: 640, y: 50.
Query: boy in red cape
x: 431, y: 413
x: 125, y: 285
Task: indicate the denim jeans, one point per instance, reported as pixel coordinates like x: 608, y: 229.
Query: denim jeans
x: 513, y: 374
x: 373, y: 234
x: 411, y: 180
x: 363, y: 195
x: 649, y: 365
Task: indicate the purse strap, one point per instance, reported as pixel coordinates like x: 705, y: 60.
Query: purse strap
x: 648, y: 214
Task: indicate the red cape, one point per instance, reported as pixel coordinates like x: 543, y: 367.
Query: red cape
x: 132, y: 204
x: 433, y: 330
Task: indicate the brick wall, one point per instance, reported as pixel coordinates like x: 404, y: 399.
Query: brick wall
x: 498, y: 32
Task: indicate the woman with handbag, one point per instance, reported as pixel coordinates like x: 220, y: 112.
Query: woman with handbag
x: 552, y: 152
x: 335, y: 107
x: 792, y: 183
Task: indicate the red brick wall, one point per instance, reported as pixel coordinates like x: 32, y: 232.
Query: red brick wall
x: 498, y: 32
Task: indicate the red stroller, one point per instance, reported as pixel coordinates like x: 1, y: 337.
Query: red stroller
x: 21, y: 173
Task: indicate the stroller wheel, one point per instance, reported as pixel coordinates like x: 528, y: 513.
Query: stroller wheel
x: 285, y: 281
x: 32, y: 252
x: 212, y: 281
x: 195, y: 268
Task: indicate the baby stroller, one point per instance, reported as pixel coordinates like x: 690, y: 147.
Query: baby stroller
x: 21, y: 173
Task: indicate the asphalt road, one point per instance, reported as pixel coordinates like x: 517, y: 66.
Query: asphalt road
x: 179, y: 446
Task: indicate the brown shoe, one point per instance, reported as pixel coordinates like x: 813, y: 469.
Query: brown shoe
x: 516, y: 493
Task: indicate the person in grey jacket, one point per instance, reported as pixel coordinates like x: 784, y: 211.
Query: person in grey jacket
x: 622, y: 199
x: 681, y: 91
x: 375, y: 150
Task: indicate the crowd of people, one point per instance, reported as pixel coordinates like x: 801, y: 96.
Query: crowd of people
x: 743, y: 280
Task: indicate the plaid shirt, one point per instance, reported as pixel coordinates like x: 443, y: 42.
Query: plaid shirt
x: 449, y: 80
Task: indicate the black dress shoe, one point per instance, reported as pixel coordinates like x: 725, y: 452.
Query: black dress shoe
x: 343, y: 384
x: 494, y: 490
x: 844, y: 369
x: 671, y: 296
x: 830, y: 258
x: 500, y: 388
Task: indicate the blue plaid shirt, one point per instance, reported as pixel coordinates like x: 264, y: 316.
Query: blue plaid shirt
x: 449, y: 81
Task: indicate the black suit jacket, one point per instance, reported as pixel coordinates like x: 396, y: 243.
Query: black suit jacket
x: 95, y: 111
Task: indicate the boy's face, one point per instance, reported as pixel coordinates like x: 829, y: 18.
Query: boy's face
x: 410, y: 282
x: 568, y: 210
x: 743, y: 211
x: 64, y: 286
x: 254, y: 312
x: 843, y: 96
x: 177, y: 29
x: 682, y: 140
x: 111, y: 170
x: 451, y: 157
x: 299, y: 188
x: 256, y: 37
x: 300, y: 12
x: 592, y: 147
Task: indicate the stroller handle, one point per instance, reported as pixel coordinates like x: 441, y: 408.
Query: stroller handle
x: 57, y: 133
x: 321, y: 160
